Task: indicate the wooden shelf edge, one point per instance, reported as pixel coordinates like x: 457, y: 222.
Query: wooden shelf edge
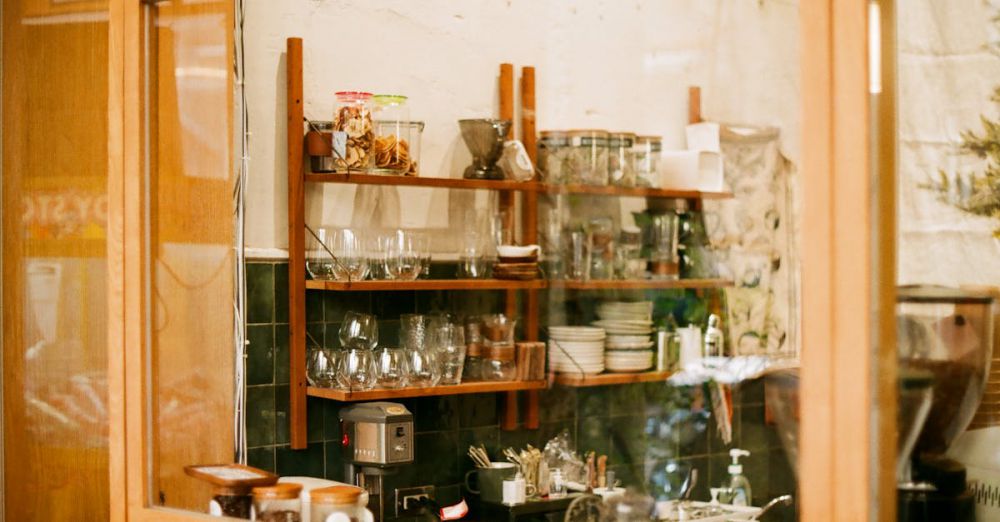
x: 403, y: 393
x: 607, y: 379
x: 615, y: 284
x: 418, y: 181
x: 637, y: 192
x: 427, y: 284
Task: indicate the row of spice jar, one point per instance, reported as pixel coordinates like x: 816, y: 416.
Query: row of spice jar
x: 598, y: 157
x: 369, y: 133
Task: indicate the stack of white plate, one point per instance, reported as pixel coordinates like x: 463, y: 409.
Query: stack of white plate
x: 628, y: 344
x: 628, y: 360
x: 576, y: 349
x: 621, y: 310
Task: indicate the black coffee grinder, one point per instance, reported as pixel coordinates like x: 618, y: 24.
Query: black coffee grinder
x: 945, y: 342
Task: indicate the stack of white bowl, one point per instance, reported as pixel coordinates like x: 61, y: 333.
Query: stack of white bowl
x: 629, y: 326
x: 576, y: 349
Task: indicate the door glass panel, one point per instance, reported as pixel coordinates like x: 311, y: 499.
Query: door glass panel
x: 189, y: 245
x: 55, y: 157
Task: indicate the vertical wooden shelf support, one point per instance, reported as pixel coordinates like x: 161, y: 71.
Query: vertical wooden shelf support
x: 296, y: 248
x: 529, y: 214
x: 509, y: 415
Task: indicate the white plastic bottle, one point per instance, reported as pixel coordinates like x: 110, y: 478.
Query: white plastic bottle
x: 739, y: 485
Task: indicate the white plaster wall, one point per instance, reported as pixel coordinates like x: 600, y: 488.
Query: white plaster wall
x: 946, y: 77
x: 616, y: 64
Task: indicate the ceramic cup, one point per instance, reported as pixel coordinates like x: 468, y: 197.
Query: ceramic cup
x: 490, y: 481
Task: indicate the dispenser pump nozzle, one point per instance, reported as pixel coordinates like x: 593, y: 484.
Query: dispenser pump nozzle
x: 736, y: 468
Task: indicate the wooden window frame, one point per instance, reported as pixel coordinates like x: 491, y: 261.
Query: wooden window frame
x: 839, y: 277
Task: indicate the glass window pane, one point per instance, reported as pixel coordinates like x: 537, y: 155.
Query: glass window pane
x: 55, y: 157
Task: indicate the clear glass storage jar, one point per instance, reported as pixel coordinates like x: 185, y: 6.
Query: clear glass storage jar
x: 498, y: 363
x: 621, y: 166
x: 588, y: 159
x: 339, y: 500
x: 646, y: 157
x: 278, y: 503
x: 353, y: 132
x: 392, y: 141
x: 554, y: 161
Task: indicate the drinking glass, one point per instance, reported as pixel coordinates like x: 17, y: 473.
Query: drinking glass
x: 601, y: 246
x: 356, y: 370
x: 359, y: 331
x: 579, y: 264
x: 321, y: 369
x: 351, y: 263
x: 379, y: 252
x: 666, y: 232
x: 391, y: 368
x: 319, y: 262
x: 413, y: 331
x: 472, y: 263
x: 423, y: 365
x: 449, y: 341
x: 404, y: 258
x: 552, y: 242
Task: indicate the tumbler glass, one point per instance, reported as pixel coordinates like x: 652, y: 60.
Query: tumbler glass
x: 321, y: 368
x: 319, y: 262
x: 413, y: 331
x: 356, y: 370
x: 351, y: 262
x: 359, y: 331
x: 404, y: 257
x: 577, y: 256
x: 425, y: 370
x: 449, y: 340
x: 391, y: 368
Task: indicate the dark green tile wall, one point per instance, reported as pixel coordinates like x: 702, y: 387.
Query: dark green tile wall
x: 645, y: 429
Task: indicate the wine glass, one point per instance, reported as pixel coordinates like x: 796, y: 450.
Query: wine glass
x: 321, y: 369
x: 356, y: 370
x: 351, y: 263
x: 404, y: 259
x: 423, y: 365
x: 391, y: 367
x: 319, y: 263
x: 359, y: 330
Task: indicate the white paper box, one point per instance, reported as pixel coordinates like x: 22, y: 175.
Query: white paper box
x: 703, y: 137
x: 691, y: 170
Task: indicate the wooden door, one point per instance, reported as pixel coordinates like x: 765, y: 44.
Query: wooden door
x: 55, y: 271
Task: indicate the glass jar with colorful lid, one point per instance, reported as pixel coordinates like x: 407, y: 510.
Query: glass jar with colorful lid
x: 353, y: 132
x: 393, y: 142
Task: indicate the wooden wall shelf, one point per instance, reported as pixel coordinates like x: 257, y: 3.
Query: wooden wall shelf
x: 419, y: 181
x: 638, y: 192
x: 607, y: 379
x: 403, y: 393
x: 640, y: 284
x: 426, y: 284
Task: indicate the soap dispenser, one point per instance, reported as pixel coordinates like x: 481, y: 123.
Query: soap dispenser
x: 739, y: 485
